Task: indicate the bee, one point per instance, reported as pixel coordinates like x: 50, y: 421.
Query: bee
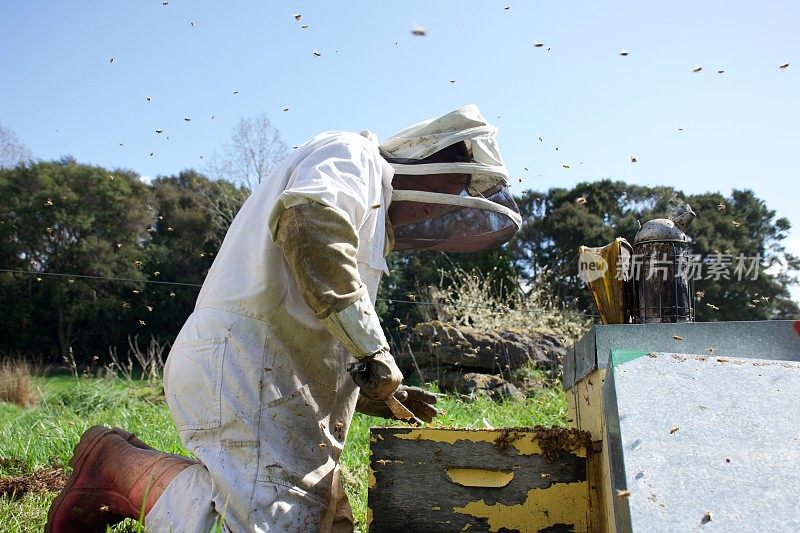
x: 721, y: 207
x: 623, y: 494
x: 158, y: 130
x: 192, y: 24
x: 172, y: 295
x: 419, y: 31
x: 149, y: 308
x: 156, y: 273
x: 137, y: 263
x: 110, y: 176
x: 712, y: 306
x: 297, y: 16
x: 412, y: 297
x: 697, y: 68
x: 317, y: 53
x: 538, y: 45
x: 785, y: 65
x: 304, y: 26
x: 720, y: 71
x: 677, y: 337
x: 565, y: 166
x: 187, y: 119
x: 126, y: 305
x: 673, y: 430
x: 48, y: 202
x: 634, y: 159
x: 70, y: 281
x: 581, y: 201
x: 111, y: 60
x: 623, y: 52
x: 141, y: 323
x: 736, y: 224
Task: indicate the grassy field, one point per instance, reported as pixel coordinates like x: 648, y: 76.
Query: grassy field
x: 42, y: 437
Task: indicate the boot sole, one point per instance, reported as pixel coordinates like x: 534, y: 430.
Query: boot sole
x: 85, y: 445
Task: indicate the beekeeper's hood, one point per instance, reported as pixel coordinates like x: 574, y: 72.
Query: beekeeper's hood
x: 483, y: 214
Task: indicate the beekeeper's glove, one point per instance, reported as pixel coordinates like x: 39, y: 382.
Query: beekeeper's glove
x: 417, y: 400
x: 377, y: 376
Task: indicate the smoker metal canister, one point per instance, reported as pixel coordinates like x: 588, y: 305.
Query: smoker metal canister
x: 662, y: 291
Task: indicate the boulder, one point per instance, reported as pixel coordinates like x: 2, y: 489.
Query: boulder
x: 473, y: 383
x: 468, y: 348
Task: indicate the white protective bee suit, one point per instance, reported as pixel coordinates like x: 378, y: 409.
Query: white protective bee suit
x: 257, y: 379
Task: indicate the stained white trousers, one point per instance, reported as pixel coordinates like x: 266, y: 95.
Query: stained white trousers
x: 268, y: 428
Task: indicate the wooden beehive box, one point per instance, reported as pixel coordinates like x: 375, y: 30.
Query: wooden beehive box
x: 526, y: 480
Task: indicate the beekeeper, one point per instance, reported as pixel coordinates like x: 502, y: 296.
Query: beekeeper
x: 261, y: 380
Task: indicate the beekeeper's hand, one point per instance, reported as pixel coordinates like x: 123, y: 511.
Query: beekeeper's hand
x: 418, y: 401
x: 377, y: 376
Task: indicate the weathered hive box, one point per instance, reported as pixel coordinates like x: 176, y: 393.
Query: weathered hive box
x: 697, y: 423
x: 525, y: 480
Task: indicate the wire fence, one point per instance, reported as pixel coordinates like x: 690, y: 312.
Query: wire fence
x: 177, y: 283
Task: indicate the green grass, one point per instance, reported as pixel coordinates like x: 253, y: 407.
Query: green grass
x: 43, y: 436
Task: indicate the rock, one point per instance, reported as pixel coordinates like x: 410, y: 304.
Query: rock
x: 469, y: 348
x: 473, y: 383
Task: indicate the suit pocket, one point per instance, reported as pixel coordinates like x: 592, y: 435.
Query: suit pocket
x: 293, y: 450
x: 193, y: 383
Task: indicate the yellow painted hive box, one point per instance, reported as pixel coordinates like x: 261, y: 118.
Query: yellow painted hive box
x: 528, y: 480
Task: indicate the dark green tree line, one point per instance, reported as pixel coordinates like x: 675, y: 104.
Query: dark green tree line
x: 91, y: 224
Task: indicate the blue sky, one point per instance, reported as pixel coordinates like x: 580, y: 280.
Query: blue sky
x: 695, y: 131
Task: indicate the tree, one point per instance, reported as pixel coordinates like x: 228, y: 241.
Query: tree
x: 742, y: 234
x: 12, y: 151
x: 193, y: 215
x: 557, y: 222
x: 254, y: 149
x: 66, y: 218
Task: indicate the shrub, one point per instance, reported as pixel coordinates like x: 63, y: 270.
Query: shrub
x: 16, y: 382
x: 472, y: 300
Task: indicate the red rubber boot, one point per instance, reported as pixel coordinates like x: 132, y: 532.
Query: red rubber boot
x: 115, y: 476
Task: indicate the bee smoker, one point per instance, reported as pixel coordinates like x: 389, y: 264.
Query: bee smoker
x: 662, y: 289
